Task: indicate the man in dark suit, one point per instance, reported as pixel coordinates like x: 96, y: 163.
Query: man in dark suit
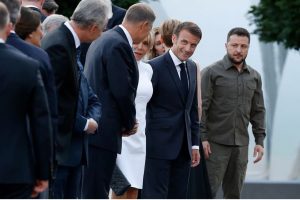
x: 172, y: 122
x: 112, y: 72
x: 87, y: 23
x: 37, y: 54
x: 24, y: 169
x: 117, y: 18
x: 35, y: 5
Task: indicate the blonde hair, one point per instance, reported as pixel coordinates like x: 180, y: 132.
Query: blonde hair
x: 152, y: 52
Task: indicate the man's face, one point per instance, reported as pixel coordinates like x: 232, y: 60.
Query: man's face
x: 237, y: 48
x: 184, y: 45
x: 94, y: 31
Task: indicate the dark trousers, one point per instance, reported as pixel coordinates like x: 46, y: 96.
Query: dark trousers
x: 199, y: 186
x: 67, y: 184
x: 15, y: 191
x: 97, y: 175
x: 167, y: 178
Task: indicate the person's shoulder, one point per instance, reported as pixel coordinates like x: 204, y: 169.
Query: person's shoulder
x: 112, y: 37
x: 253, y: 71
x: 57, y: 37
x: 119, y: 10
x: 146, y: 67
x: 20, y: 59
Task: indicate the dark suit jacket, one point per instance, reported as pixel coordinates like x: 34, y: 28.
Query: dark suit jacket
x: 88, y: 107
x: 24, y: 154
x: 43, y: 17
x: 60, y: 46
x: 169, y: 116
x: 45, y: 69
x: 117, y: 18
x: 112, y: 72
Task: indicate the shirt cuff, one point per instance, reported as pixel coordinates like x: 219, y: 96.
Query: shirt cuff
x: 195, y: 147
x: 86, y: 125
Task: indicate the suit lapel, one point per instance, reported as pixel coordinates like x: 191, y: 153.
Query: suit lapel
x: 192, y: 80
x: 71, y: 43
x: 174, y: 75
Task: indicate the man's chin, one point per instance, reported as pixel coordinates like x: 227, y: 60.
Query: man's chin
x: 236, y: 62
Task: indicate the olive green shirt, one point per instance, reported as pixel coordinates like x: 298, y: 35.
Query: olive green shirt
x: 230, y: 100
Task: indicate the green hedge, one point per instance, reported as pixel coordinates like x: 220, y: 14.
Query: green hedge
x: 66, y: 7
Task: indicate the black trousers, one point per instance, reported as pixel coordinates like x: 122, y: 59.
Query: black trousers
x: 98, y: 174
x: 15, y: 191
x: 67, y: 184
x: 199, y: 186
x: 167, y: 179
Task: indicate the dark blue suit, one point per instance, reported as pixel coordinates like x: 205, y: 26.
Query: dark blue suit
x: 116, y: 19
x: 43, y: 17
x: 45, y: 69
x: 112, y: 72
x: 60, y: 46
x: 24, y: 154
x: 68, y: 177
x: 172, y: 128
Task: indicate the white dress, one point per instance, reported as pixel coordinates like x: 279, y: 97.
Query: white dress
x: 132, y: 159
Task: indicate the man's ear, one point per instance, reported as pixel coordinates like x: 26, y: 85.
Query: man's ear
x: 174, y: 38
x: 8, y: 28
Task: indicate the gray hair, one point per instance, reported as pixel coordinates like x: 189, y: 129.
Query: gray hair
x: 4, y: 16
x: 139, y: 12
x: 90, y: 12
x: 52, y: 22
x: 13, y: 7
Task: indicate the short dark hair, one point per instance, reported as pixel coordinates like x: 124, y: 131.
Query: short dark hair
x: 191, y: 27
x: 13, y: 7
x: 28, y: 23
x: 238, y: 31
x: 3, y: 16
x: 139, y: 12
x: 50, y: 6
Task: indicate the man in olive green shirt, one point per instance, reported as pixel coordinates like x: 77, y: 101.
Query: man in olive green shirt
x: 231, y: 98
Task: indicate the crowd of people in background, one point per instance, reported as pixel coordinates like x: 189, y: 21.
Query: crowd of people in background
x: 104, y: 105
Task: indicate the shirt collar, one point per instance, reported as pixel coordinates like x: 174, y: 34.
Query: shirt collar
x: 175, y: 59
x: 128, y: 36
x: 31, y: 6
x: 1, y: 40
x: 75, y: 36
x: 228, y: 64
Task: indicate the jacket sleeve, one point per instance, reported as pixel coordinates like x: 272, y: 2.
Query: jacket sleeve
x: 41, y: 129
x: 207, y: 93
x: 257, y: 114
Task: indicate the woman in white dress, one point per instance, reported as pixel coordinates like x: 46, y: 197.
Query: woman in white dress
x: 132, y: 160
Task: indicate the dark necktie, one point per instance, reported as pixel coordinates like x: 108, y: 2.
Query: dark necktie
x: 184, y: 80
x: 79, y: 64
x: 80, y: 74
